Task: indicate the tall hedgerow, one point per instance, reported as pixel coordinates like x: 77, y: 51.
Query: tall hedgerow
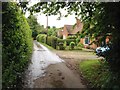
x: 41, y: 38
x: 17, y: 44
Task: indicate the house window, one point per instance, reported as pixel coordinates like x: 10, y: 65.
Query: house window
x: 87, y: 40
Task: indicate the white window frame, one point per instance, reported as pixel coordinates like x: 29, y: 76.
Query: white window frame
x: 64, y: 37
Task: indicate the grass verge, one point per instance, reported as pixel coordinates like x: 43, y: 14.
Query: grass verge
x: 49, y: 47
x: 98, y: 75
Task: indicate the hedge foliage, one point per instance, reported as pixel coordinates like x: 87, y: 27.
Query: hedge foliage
x: 61, y: 44
x: 17, y: 44
x: 41, y: 38
x: 70, y: 40
x: 60, y: 41
x: 71, y: 37
x: 72, y: 45
x: 50, y: 40
x: 55, y: 42
x: 77, y: 40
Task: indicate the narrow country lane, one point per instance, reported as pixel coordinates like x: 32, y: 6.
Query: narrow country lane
x: 47, y: 70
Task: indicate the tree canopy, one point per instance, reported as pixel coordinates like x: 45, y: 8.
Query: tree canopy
x: 35, y: 26
x: 99, y: 18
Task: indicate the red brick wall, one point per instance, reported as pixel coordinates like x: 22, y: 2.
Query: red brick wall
x: 93, y: 46
x: 65, y: 33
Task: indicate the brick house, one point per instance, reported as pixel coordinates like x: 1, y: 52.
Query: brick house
x: 69, y: 30
x: 94, y: 43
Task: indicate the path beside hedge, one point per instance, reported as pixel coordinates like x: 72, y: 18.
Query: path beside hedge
x: 56, y: 74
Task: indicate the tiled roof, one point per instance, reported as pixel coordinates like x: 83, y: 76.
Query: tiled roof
x: 77, y: 27
x: 74, y: 30
x: 69, y: 28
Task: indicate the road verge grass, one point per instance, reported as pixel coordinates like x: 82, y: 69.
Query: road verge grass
x: 98, y: 75
x: 49, y: 47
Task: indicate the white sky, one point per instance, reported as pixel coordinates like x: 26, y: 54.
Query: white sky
x: 52, y: 20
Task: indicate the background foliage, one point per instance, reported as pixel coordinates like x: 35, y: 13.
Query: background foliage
x: 35, y: 26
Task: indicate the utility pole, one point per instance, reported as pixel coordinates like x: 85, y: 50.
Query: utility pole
x: 47, y: 23
x: 47, y: 29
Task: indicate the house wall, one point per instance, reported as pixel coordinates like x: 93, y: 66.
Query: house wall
x: 82, y: 40
x: 108, y: 38
x: 93, y: 45
x: 65, y: 33
x: 78, y: 27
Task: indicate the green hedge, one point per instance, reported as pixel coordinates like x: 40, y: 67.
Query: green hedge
x: 80, y: 45
x: 41, y: 38
x: 69, y: 40
x: 17, y: 44
x: 54, y: 41
x: 71, y: 37
x: 72, y: 45
x: 50, y: 40
x: 60, y: 41
x: 77, y: 40
x: 60, y: 44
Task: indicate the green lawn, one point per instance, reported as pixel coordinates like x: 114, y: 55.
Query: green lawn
x: 98, y: 74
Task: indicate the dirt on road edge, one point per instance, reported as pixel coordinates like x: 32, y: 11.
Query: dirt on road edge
x: 59, y: 76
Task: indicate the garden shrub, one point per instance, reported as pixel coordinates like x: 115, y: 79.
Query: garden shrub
x: 60, y: 43
x: 77, y: 48
x: 69, y: 40
x: 53, y: 41
x: 72, y: 45
x: 49, y: 40
x: 71, y: 37
x: 60, y: 40
x: 17, y: 45
x: 61, y: 46
x: 80, y: 45
x: 37, y: 37
x: 77, y: 40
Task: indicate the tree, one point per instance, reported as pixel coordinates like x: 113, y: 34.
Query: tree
x: 52, y: 31
x: 35, y: 26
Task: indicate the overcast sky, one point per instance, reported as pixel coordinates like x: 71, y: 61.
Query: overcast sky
x: 52, y: 20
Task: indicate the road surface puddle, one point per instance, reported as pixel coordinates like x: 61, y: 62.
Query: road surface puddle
x: 42, y: 57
